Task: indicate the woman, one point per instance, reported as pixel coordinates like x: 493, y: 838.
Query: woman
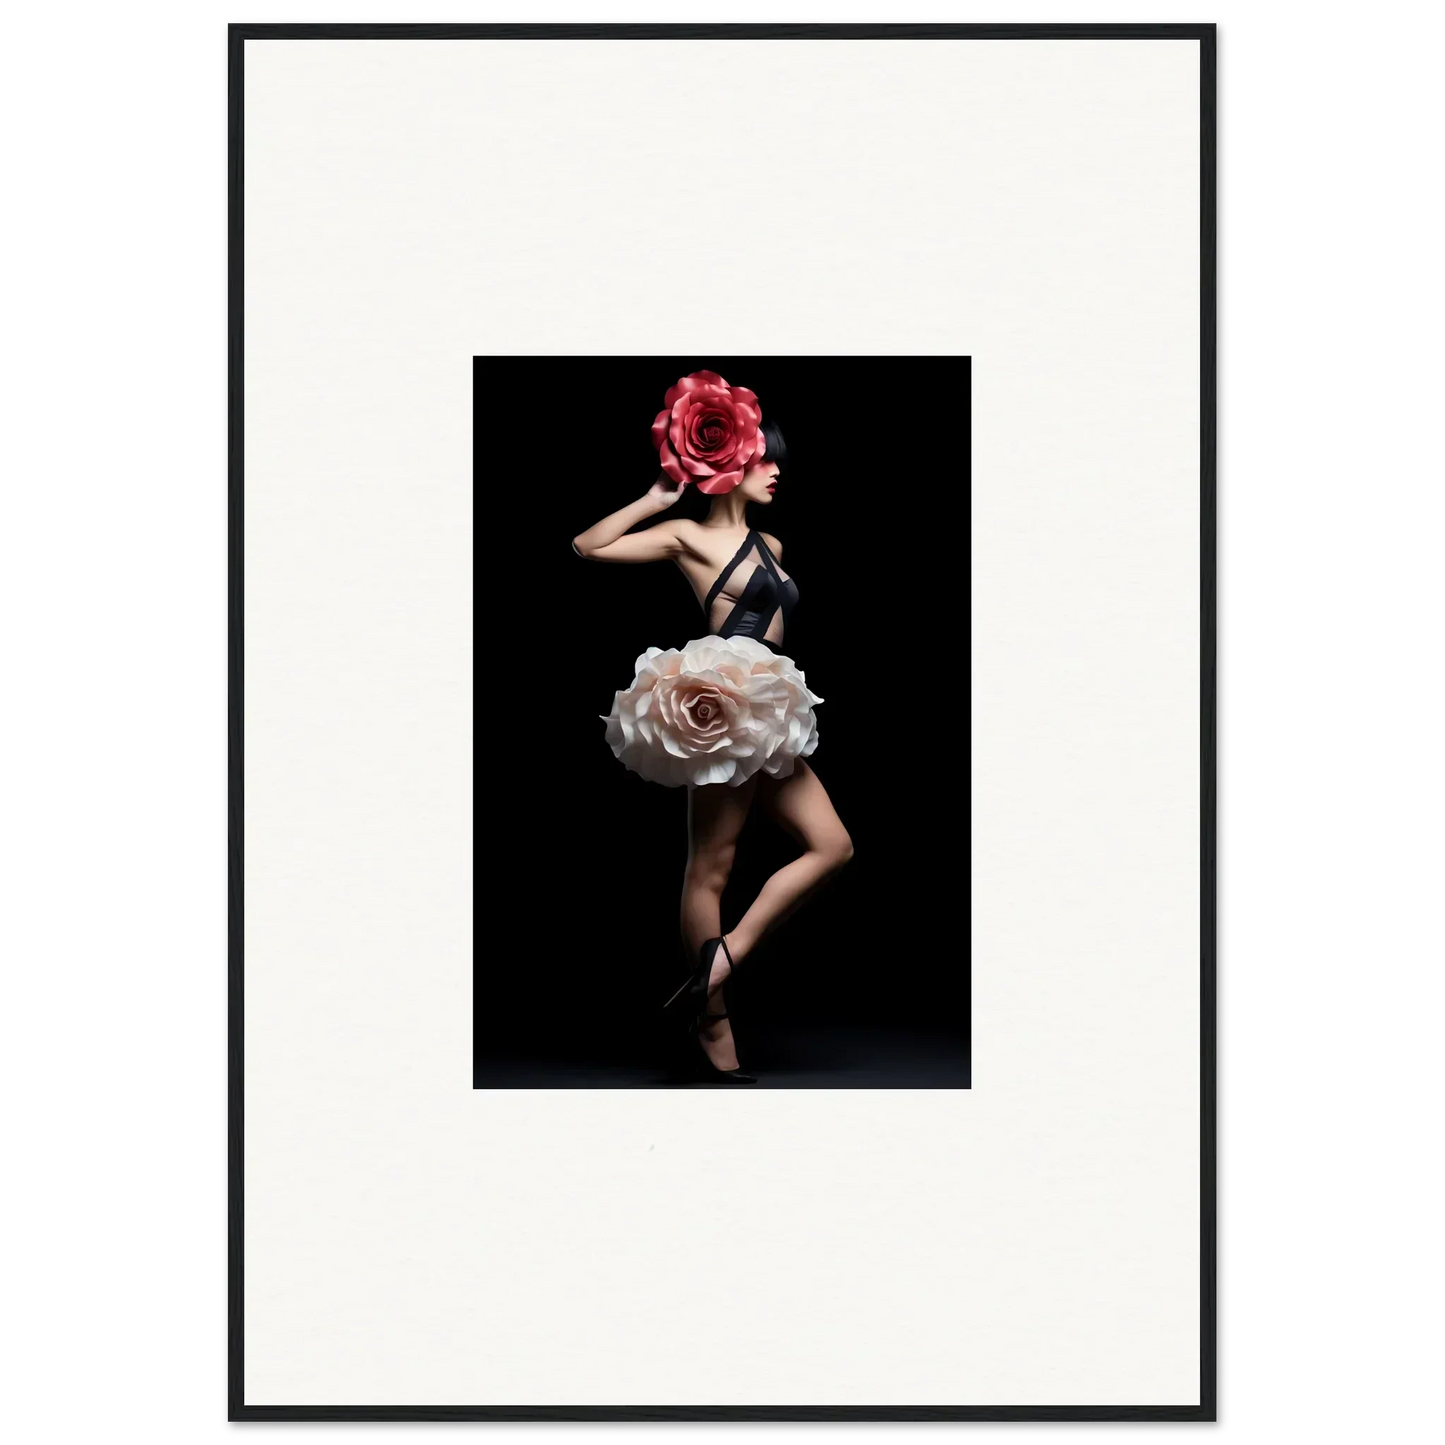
x: 729, y: 715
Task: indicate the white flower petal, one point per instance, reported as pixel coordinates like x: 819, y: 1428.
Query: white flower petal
x: 761, y: 714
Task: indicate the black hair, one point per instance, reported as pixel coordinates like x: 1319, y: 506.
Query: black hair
x: 777, y: 447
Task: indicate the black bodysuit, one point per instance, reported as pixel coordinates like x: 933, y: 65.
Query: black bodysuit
x: 767, y: 593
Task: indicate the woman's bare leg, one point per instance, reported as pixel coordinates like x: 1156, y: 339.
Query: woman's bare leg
x: 802, y: 805
x: 715, y: 816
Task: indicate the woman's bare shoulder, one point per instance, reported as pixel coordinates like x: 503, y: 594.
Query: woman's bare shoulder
x: 678, y: 530
x: 774, y: 546
x: 691, y: 536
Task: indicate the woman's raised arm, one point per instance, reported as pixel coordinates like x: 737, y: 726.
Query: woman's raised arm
x: 606, y: 541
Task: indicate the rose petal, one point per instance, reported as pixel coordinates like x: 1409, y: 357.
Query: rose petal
x: 723, y: 482
x: 692, y: 383
x: 669, y: 463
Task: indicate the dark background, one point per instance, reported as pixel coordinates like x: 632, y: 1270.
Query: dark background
x: 577, y: 941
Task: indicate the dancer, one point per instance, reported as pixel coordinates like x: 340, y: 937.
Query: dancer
x: 729, y: 716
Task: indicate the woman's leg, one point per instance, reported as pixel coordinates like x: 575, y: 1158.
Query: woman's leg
x: 715, y: 816
x: 802, y: 805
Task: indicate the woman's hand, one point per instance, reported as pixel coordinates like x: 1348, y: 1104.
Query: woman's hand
x: 664, y: 492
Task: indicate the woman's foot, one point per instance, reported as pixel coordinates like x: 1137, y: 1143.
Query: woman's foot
x: 716, y: 1037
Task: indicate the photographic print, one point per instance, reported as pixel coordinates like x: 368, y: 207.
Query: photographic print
x: 742, y: 772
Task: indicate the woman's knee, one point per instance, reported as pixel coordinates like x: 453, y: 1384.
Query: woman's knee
x: 710, y: 867
x: 837, y: 849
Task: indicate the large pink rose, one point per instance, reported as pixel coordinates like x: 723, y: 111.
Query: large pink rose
x: 707, y: 432
x: 715, y: 711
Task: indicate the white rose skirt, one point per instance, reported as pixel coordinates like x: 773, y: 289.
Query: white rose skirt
x: 718, y: 710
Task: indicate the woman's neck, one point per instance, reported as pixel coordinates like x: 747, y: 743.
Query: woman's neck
x: 728, y: 510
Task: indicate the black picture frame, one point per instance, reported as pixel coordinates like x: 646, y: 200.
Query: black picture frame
x: 1206, y: 1409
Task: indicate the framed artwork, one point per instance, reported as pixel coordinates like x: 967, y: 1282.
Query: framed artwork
x: 722, y: 722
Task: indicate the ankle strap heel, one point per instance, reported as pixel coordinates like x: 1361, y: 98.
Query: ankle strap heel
x: 709, y: 1070
x: 691, y: 997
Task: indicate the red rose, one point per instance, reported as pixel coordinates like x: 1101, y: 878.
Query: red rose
x: 707, y: 432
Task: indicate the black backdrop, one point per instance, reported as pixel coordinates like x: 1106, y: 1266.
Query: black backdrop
x: 581, y: 861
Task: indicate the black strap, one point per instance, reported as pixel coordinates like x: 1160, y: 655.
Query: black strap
x: 726, y: 573
x: 765, y: 556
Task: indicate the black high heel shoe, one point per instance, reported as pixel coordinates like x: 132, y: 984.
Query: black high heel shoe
x: 708, y: 1070
x: 692, y: 996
